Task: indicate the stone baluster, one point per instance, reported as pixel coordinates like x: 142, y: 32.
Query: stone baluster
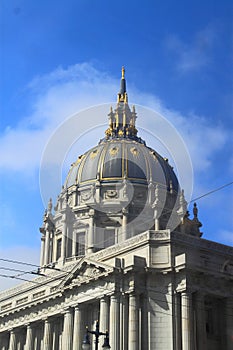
x: 133, y: 322
x: 114, y: 321
x: 13, y: 342
x: 67, y: 334
x: 47, y: 339
x: 29, y: 338
x: 77, y: 336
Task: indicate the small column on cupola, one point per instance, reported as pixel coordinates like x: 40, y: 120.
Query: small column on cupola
x: 155, y: 206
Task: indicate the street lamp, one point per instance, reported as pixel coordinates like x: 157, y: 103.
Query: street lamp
x: 86, y: 342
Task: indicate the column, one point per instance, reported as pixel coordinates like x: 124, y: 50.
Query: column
x: 200, y: 322
x: 67, y: 334
x: 124, y: 318
x: 29, y: 338
x: 63, y: 241
x: 13, y: 343
x: 186, y: 317
x: 114, y: 322
x: 56, y: 333
x: 78, y: 336
x: 47, y: 335
x: 104, y: 314
x: 42, y: 248
x: 133, y: 322
x: 177, y: 299
x: 124, y: 224
x: 3, y: 342
x: 90, y: 237
x: 74, y: 242
x: 229, y: 322
x: 47, y: 246
x: 156, y: 224
x: 144, y: 321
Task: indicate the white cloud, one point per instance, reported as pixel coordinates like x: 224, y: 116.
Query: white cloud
x: 195, y: 54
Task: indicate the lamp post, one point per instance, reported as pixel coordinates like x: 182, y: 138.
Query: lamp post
x: 86, y: 342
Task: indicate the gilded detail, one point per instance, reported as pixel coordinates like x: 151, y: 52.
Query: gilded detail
x: 94, y: 154
x: 113, y: 151
x: 135, y: 152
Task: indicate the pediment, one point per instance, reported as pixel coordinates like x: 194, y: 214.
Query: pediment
x: 85, y: 271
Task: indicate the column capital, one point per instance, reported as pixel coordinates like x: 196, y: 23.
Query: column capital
x: 67, y: 310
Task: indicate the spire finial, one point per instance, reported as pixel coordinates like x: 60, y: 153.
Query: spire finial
x: 123, y: 72
x: 122, y: 96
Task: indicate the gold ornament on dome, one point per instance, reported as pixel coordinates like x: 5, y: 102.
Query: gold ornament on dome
x: 120, y: 133
x: 80, y: 158
x: 94, y: 154
x: 135, y: 152
x: 108, y: 132
x: 113, y: 151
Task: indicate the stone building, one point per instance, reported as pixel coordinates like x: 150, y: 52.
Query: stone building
x: 119, y: 247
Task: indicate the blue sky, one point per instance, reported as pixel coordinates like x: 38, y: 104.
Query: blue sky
x: 59, y: 57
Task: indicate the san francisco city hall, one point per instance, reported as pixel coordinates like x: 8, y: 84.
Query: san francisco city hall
x: 120, y: 247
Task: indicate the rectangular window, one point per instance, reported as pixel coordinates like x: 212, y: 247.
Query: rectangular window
x: 58, y: 248
x: 80, y: 243
x: 109, y: 237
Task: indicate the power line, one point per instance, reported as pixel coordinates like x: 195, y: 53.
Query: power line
x: 210, y: 192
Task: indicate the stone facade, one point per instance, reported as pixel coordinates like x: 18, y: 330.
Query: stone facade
x: 159, y: 290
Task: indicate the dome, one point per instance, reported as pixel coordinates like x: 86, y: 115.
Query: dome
x: 122, y: 154
x: 118, y: 158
